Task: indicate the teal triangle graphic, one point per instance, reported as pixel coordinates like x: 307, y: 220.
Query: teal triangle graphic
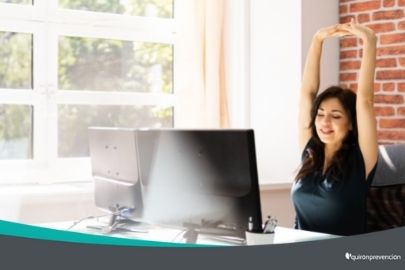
x: 35, y: 232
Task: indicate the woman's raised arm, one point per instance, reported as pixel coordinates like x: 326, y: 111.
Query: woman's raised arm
x: 366, y: 121
x: 311, y: 79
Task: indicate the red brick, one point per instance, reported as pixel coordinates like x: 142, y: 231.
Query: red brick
x: 347, y: 65
x: 384, y: 111
x: 389, y: 99
x: 382, y: 27
x: 363, y: 18
x: 343, y: 9
x: 345, y: 19
x: 401, y: 87
x: 386, y: 62
x: 401, y: 25
x: 392, y: 38
x: 402, y: 61
x: 391, y: 74
x: 388, y: 14
x: 348, y: 42
x: 353, y: 86
x: 364, y: 6
x: 389, y: 3
x: 401, y: 3
x: 377, y: 87
x: 392, y: 123
x: 348, y: 76
x: 388, y: 87
x: 392, y: 50
x: 391, y: 135
x: 348, y: 54
x: 401, y: 111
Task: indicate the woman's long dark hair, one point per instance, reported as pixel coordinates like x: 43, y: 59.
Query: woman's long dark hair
x: 313, y: 158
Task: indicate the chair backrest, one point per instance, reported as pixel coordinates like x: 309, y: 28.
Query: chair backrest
x: 391, y: 165
x: 385, y: 207
x: 386, y: 199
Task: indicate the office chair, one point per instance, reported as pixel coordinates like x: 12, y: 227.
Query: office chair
x: 386, y: 198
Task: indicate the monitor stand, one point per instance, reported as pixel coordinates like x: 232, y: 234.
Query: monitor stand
x: 219, y: 234
x: 190, y: 236
x: 119, y: 224
x: 113, y: 222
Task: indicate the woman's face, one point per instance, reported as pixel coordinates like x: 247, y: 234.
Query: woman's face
x: 332, y: 122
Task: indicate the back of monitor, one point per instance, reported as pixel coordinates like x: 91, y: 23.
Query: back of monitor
x: 117, y: 188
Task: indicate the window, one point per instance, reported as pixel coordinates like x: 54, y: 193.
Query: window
x: 15, y: 72
x: 66, y: 65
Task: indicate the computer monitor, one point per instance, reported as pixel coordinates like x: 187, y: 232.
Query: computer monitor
x: 204, y: 181
x: 117, y: 188
x: 201, y: 179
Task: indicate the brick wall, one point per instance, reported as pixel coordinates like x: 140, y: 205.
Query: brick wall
x: 387, y: 19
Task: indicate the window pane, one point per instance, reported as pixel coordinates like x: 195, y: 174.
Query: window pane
x: 15, y: 132
x: 150, y: 8
x: 74, y: 121
x: 15, y: 60
x: 28, y: 2
x: 114, y: 65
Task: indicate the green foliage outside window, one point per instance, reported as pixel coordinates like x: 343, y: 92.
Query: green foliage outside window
x: 162, y: 8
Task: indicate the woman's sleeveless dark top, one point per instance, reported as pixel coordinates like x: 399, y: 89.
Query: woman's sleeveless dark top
x: 329, y: 205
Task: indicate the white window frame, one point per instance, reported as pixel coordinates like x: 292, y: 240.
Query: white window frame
x: 47, y: 22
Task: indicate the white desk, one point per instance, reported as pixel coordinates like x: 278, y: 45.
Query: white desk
x: 175, y: 235
x: 288, y: 235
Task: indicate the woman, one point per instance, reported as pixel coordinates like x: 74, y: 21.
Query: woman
x: 338, y: 137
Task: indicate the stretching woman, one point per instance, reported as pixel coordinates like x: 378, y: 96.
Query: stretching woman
x: 338, y: 138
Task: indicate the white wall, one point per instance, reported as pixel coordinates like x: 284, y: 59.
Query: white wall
x: 277, y: 203
x: 317, y: 14
x: 37, y: 204
x: 280, y: 34
x: 275, y: 76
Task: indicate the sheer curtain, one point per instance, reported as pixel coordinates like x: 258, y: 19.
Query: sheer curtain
x: 202, y: 63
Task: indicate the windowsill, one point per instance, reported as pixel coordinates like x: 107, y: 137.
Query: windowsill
x: 48, y: 192
x: 59, y: 191
x: 275, y: 186
x: 42, y: 203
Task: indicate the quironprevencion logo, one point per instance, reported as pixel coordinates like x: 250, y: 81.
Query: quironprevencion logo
x: 374, y: 257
